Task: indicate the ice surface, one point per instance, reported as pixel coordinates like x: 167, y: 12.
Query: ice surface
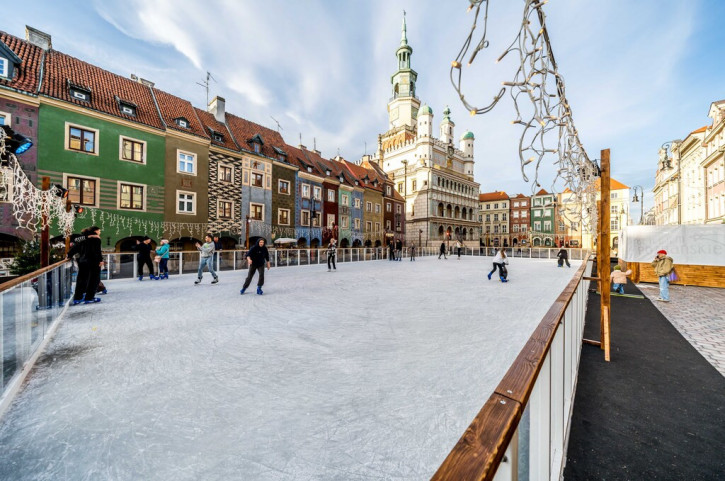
x: 370, y: 372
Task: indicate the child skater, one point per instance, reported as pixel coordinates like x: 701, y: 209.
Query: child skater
x: 619, y: 279
x: 163, y: 252
x: 499, y: 262
x: 331, y: 253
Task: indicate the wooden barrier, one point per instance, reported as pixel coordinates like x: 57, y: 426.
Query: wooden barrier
x: 705, y: 276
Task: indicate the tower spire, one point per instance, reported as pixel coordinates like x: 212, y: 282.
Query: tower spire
x: 404, y: 36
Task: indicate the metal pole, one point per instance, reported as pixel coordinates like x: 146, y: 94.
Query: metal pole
x: 45, y: 234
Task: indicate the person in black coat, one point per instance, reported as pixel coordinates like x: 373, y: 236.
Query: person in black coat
x: 144, y: 257
x: 442, y: 251
x: 257, y: 257
x: 563, y: 256
x: 90, y: 262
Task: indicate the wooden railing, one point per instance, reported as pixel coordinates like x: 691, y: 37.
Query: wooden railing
x: 19, y: 280
x: 547, y: 367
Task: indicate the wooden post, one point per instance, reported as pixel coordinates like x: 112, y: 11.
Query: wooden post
x: 45, y: 233
x: 603, y: 250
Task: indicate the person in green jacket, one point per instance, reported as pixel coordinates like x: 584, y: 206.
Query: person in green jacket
x: 163, y: 252
x: 663, y: 265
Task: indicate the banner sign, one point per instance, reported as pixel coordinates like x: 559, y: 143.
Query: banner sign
x: 696, y: 245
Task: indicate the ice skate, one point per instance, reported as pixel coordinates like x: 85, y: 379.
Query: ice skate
x: 259, y: 290
x: 198, y: 281
x: 93, y: 301
x: 140, y: 278
x: 216, y: 279
x: 242, y: 291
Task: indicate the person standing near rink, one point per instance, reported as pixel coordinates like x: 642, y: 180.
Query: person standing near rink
x: 442, y: 251
x: 144, y: 257
x: 458, y: 249
x: 256, y: 259
x: 563, y: 256
x: 331, y: 254
x: 663, y: 265
x: 412, y: 251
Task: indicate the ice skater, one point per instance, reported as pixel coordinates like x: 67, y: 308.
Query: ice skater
x: 144, y: 257
x: 499, y: 262
x: 663, y: 265
x: 391, y: 251
x: 206, y: 258
x: 331, y: 254
x: 563, y: 256
x: 412, y: 251
x: 399, y: 250
x: 442, y: 251
x: 458, y: 248
x: 619, y: 279
x: 257, y: 257
x: 90, y: 261
x: 162, y: 252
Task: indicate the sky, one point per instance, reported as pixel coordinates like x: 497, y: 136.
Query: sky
x: 637, y: 74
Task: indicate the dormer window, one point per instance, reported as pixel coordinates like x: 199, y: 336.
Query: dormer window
x: 83, y: 95
x: 342, y: 179
x: 281, y: 154
x: 309, y: 169
x: 328, y: 172
x: 4, y: 69
x: 257, y: 143
x: 257, y: 148
x: 126, y: 107
x: 182, y: 122
x: 389, y: 190
x: 217, y: 137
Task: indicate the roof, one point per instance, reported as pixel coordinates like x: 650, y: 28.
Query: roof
x: 360, y: 173
x: 542, y: 192
x: 700, y: 130
x: 520, y: 196
x: 425, y: 110
x: 27, y: 76
x: 497, y: 195
x: 62, y: 71
x: 244, y: 132
x: 614, y: 184
x: 468, y: 135
x: 173, y: 107
x: 211, y: 124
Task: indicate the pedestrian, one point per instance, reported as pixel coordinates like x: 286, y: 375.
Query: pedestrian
x: 162, y: 252
x: 619, y: 279
x: 257, y: 257
x: 82, y: 274
x: 499, y: 262
x: 442, y: 251
x: 391, y: 251
x: 663, y: 265
x: 563, y: 256
x: 144, y: 257
x: 206, y: 258
x: 399, y: 250
x: 458, y: 248
x: 217, y: 250
x: 90, y: 261
x: 331, y: 254
x: 412, y: 251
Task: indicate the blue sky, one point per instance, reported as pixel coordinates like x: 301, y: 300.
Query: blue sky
x: 638, y: 73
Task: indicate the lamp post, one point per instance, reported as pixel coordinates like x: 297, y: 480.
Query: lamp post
x: 667, y: 165
x: 405, y: 193
x: 420, y: 233
x: 641, y: 200
x: 249, y: 222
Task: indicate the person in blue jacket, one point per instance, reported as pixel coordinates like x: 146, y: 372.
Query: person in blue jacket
x: 163, y: 252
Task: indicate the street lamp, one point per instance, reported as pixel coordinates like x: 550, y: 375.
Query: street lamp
x: 667, y: 165
x: 640, y: 199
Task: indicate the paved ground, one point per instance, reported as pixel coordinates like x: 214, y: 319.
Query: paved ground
x: 699, y: 314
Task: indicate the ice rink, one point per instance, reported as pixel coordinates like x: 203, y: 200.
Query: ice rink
x: 370, y: 372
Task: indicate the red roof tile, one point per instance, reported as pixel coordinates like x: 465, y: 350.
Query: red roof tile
x: 245, y: 130
x: 210, y: 123
x: 361, y: 172
x: 497, y: 195
x: 542, y: 192
x: 27, y: 75
x: 173, y: 107
x: 106, y: 88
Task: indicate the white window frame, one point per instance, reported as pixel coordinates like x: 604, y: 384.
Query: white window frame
x: 4, y: 70
x: 317, y: 219
x: 537, y: 226
x: 524, y: 214
x: 330, y: 195
x: 356, y: 223
x: 344, y: 222
x: 254, y: 176
x: 377, y: 227
x: 388, y: 207
x: 219, y: 210
x: 345, y: 199
x: 279, y: 216
x: 7, y: 118
x: 398, y: 209
x: 193, y: 202
x: 121, y: 138
x: 96, y: 141
x: 251, y: 204
x: 377, y: 208
x: 368, y: 226
x: 357, y: 203
x: 305, y: 191
x: 547, y: 225
x: 133, y: 184
x: 330, y: 220
x: 279, y: 186
x: 219, y: 171
x: 317, y: 193
x: 368, y: 206
x: 304, y: 213
x: 97, y: 196
x: 193, y: 162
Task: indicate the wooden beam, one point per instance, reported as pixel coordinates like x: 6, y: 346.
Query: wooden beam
x: 603, y: 245
x: 593, y: 343
x: 606, y: 335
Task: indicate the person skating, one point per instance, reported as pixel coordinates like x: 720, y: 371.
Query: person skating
x: 78, y: 247
x: 442, y: 251
x: 458, y: 248
x: 412, y: 251
x: 499, y: 262
x: 563, y: 256
x: 206, y: 258
x: 144, y: 257
x: 90, y: 261
x: 331, y: 254
x: 619, y: 279
x: 663, y: 265
x: 399, y: 250
x: 257, y: 257
x: 391, y: 251
x: 163, y: 252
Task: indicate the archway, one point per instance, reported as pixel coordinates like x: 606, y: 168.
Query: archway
x: 515, y: 241
x: 449, y: 211
x: 547, y: 242
x: 315, y: 243
x: 378, y: 243
x: 302, y: 242
x: 344, y: 243
x: 356, y: 243
x: 537, y: 242
x: 440, y: 231
x: 440, y: 209
x: 457, y: 213
x: 228, y: 243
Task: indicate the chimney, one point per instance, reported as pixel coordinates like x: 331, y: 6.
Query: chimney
x: 216, y: 107
x: 147, y: 83
x: 38, y: 38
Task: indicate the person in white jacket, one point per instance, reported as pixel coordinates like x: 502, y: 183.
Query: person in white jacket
x: 499, y: 263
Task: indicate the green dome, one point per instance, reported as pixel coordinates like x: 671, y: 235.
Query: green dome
x: 425, y: 110
x: 468, y: 135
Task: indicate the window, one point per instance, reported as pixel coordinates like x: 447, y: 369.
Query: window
x: 344, y: 222
x: 388, y: 207
x: 257, y: 148
x: 561, y: 226
x: 283, y: 187
x: 3, y: 67
x: 345, y: 199
x: 82, y: 139
x: 186, y: 202
x: 547, y: 225
x: 524, y: 214
x: 182, y: 122
x: 614, y: 209
x: 133, y: 150
x: 537, y: 213
x: 218, y: 137
x: 516, y: 228
x: 537, y: 226
x: 377, y: 227
x: 388, y: 224
x: 495, y: 217
x: 488, y: 217
x: 414, y: 186
x: 187, y: 162
x: 126, y: 108
x: 81, y: 191
x: 257, y: 179
x: 131, y: 196
x: 377, y: 208
x: 357, y: 203
x: 80, y: 94
x: 389, y: 190
x: 399, y: 209
x: 368, y: 226
x: 488, y: 206
x: 316, y: 219
x: 6, y: 189
x: 356, y: 223
x: 503, y: 228
x: 330, y: 195
x: 306, y: 191
x: 226, y: 173
x: 225, y: 209
x: 503, y: 216
x: 317, y: 193
x: 330, y: 220
x: 400, y: 187
x: 614, y: 223
x: 523, y: 203
x: 516, y: 214
x: 613, y: 195
x: 256, y: 211
x: 495, y: 206
x: 368, y: 206
x: 5, y: 118
x: 305, y: 220
x: 524, y: 227
x: 495, y: 229
x: 283, y: 216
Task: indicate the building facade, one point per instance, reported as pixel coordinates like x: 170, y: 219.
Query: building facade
x: 495, y: 212
x: 713, y: 165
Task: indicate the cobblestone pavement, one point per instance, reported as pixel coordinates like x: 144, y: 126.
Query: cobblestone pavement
x: 699, y: 314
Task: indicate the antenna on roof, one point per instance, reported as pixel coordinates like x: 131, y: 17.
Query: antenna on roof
x: 205, y: 84
x: 279, y: 127
x: 338, y: 151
